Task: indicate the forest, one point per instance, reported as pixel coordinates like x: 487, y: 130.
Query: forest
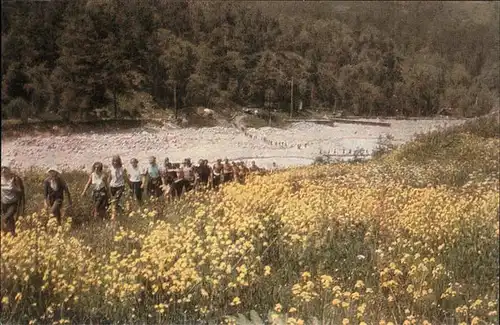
x: 406, y: 58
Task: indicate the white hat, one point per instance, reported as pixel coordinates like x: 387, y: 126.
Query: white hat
x: 53, y: 169
x: 7, y: 163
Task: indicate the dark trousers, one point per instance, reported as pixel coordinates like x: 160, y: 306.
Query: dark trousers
x: 117, y: 192
x: 179, y: 187
x: 100, y: 200
x: 154, y: 187
x: 136, y: 190
x: 228, y: 177
x: 216, y: 181
x: 55, y: 206
x: 9, y: 212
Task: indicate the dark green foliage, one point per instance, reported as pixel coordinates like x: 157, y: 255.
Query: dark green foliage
x: 363, y: 58
x: 18, y: 107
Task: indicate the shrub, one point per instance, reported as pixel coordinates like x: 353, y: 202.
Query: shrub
x: 18, y: 107
x: 384, y: 146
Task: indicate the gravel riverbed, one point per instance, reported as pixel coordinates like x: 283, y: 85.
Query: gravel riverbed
x: 295, y: 145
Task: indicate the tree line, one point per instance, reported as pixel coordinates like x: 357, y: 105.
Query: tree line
x: 367, y: 58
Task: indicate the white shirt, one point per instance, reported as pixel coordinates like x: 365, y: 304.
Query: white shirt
x: 97, y: 181
x: 53, y: 184
x: 117, y: 177
x: 8, y: 194
x: 135, y: 174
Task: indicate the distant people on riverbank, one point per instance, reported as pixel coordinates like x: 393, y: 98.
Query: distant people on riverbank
x: 274, y: 168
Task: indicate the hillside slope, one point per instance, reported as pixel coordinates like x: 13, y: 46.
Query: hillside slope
x: 397, y: 239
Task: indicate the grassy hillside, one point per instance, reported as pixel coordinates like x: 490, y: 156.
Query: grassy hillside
x: 411, y: 237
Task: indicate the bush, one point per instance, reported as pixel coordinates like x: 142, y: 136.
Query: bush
x: 19, y: 108
x: 469, y: 142
x: 384, y: 146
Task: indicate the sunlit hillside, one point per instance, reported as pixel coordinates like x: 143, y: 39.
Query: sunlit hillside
x: 408, y: 238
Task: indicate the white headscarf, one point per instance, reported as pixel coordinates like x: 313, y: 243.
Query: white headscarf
x: 53, y: 169
x: 6, y: 163
x: 53, y: 182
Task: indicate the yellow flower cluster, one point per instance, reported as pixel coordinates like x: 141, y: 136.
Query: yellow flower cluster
x: 346, y: 243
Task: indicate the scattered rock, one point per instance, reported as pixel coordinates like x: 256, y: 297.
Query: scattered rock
x: 78, y: 150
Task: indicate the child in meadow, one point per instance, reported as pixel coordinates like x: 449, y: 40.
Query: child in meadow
x: 136, y: 179
x: 99, y: 182
x: 242, y: 172
x: 116, y: 176
x: 54, y: 188
x: 154, y: 178
x: 169, y: 172
x: 12, y: 189
x: 227, y: 172
x: 217, y: 174
x: 202, y: 174
x: 188, y: 174
x: 253, y: 167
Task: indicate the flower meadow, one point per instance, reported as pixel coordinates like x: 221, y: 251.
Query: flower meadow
x: 398, y: 240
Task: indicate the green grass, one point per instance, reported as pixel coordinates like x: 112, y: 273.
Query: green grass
x: 458, y: 155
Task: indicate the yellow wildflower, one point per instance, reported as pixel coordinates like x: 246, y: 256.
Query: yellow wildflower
x: 236, y: 301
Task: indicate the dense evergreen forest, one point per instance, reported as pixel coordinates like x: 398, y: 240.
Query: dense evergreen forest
x: 414, y: 58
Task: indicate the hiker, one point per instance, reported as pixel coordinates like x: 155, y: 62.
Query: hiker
x: 154, y: 178
x: 217, y: 174
x: 99, y: 182
x: 136, y: 179
x: 274, y: 167
x: 196, y: 174
x: 188, y: 174
x: 202, y: 174
x: 243, y: 172
x: 236, y: 171
x: 253, y: 167
x: 116, y: 176
x: 169, y: 173
x: 208, y: 170
x: 54, y: 188
x: 13, y: 199
x: 178, y: 187
x: 227, y: 172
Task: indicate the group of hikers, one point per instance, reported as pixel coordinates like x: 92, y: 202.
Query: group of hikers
x: 108, y: 186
